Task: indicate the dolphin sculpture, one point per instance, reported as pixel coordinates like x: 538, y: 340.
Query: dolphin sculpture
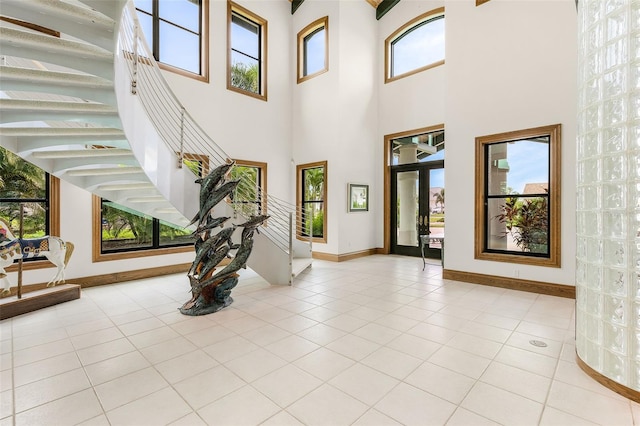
x: 213, y: 242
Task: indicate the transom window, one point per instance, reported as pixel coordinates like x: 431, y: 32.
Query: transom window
x: 247, y: 70
x: 313, y: 49
x: 416, y: 46
x: 311, y: 196
x: 518, y: 204
x: 176, y: 33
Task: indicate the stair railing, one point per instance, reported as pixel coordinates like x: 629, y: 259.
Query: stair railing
x: 182, y: 134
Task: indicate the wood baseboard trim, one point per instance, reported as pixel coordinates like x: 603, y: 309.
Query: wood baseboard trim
x: 633, y: 395
x: 560, y: 290
x: 138, y: 274
x: 345, y: 256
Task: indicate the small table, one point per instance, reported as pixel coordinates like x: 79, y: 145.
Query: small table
x: 428, y: 239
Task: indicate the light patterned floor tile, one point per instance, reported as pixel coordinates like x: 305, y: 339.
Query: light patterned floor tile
x: 518, y: 381
x: 441, y: 382
x: 411, y: 406
x: 72, y: 409
x: 185, y: 366
x: 161, y: 407
x: 392, y: 362
x: 208, y: 386
x: 126, y: 389
x: 383, y: 343
x: 232, y: 409
x: 286, y: 385
x: 49, y: 389
x: 327, y: 405
x: 490, y: 402
x: 255, y: 364
x: 324, y: 363
x: 364, y: 383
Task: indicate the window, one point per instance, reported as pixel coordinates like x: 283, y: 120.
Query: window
x: 121, y: 233
x: 249, y: 193
x: 416, y: 46
x: 123, y: 229
x: 518, y: 197
x: 313, y: 49
x: 176, y: 33
x: 311, y: 190
x: 247, y: 59
x: 24, y: 183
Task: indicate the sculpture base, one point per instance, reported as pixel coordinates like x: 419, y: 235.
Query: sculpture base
x: 211, y: 298
x: 34, y: 300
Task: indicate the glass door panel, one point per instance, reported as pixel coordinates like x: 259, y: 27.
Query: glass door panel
x: 436, y: 207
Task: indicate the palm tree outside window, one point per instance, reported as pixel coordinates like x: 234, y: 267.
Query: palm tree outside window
x: 312, y: 194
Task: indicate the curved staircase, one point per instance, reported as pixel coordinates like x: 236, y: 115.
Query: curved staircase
x: 79, y: 100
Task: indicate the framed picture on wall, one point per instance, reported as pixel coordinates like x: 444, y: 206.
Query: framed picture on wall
x: 358, y: 197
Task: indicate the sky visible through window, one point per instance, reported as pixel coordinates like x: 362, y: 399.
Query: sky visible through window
x: 315, y: 52
x: 528, y: 163
x: 418, y: 48
x: 178, y: 47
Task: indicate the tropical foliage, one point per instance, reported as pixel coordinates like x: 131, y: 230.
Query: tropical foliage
x: 246, y: 196
x: 23, y: 183
x: 526, y: 222
x: 313, y: 184
x: 245, y: 77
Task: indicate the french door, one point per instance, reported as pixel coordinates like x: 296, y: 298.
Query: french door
x: 417, y: 208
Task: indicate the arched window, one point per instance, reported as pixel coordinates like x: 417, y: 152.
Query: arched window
x: 416, y: 46
x: 313, y: 49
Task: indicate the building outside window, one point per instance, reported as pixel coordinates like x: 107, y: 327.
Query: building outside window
x: 175, y: 31
x: 311, y: 191
x: 247, y: 36
x: 416, y: 46
x: 313, y: 49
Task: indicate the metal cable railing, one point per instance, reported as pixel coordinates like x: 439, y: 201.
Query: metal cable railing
x: 180, y: 132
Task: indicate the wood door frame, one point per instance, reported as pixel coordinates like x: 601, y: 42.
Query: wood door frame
x: 387, y: 147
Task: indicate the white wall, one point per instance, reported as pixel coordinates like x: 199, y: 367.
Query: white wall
x: 334, y: 118
x: 511, y: 65
x: 411, y: 102
x: 245, y: 127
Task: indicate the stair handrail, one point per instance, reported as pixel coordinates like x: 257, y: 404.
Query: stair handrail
x: 184, y: 136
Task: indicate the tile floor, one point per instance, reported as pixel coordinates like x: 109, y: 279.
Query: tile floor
x: 372, y: 341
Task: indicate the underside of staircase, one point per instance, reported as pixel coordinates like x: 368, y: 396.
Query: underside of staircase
x: 67, y: 107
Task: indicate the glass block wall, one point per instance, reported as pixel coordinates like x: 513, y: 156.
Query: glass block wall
x: 608, y: 193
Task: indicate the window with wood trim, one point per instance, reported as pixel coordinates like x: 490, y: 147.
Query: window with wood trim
x: 246, y: 52
x: 311, y: 197
x: 313, y: 49
x: 176, y: 31
x: 24, y: 183
x: 416, y: 46
x: 121, y: 233
x: 518, y: 196
x: 249, y: 194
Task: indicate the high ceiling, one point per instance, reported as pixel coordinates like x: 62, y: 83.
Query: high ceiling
x: 381, y: 6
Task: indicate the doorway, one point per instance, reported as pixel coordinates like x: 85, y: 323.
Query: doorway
x: 417, y: 192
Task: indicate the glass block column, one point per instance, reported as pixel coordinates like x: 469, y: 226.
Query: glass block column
x: 608, y: 193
